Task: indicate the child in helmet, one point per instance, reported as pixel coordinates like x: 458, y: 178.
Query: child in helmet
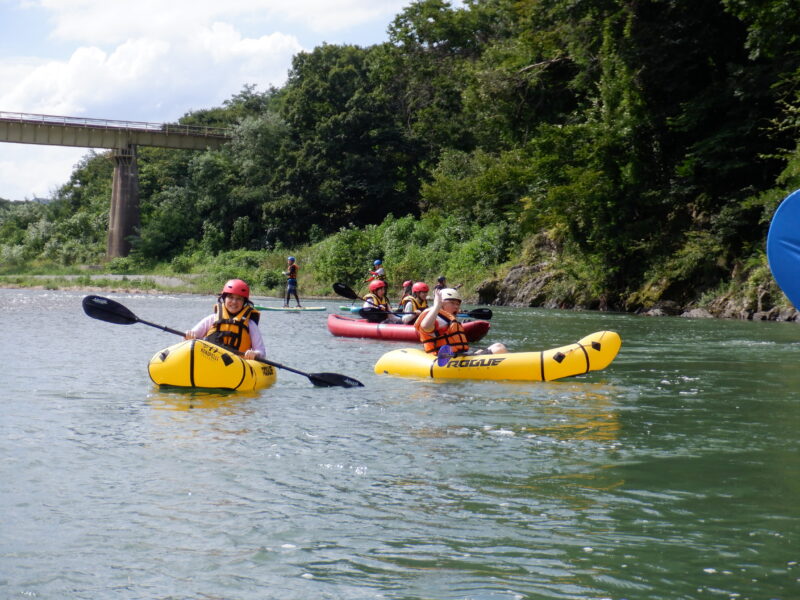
x: 439, y: 326
x: 414, y: 304
x: 376, y: 299
x: 377, y: 272
x: 234, y: 322
x: 405, y: 292
x: 291, y: 281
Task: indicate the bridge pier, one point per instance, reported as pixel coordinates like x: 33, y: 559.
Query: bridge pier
x: 123, y: 217
x: 122, y: 137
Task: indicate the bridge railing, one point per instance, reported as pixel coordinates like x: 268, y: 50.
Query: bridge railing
x: 199, y: 130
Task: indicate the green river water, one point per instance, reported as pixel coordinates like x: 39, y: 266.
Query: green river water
x: 673, y: 474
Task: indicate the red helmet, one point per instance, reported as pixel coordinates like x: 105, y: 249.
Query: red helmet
x: 377, y: 284
x: 238, y: 287
x: 420, y: 286
x: 407, y: 283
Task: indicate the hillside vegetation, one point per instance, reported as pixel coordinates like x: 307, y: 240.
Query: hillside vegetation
x: 619, y: 155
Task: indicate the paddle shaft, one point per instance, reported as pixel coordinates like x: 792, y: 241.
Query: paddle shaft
x: 161, y: 327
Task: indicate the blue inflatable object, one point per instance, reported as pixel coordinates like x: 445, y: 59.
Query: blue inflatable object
x: 783, y: 247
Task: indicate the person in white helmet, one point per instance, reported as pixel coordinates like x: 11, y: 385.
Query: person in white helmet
x: 439, y: 326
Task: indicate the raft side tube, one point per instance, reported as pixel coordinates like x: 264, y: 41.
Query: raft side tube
x: 592, y: 353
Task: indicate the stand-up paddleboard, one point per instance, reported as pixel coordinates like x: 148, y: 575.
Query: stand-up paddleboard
x: 783, y: 247
x: 291, y: 308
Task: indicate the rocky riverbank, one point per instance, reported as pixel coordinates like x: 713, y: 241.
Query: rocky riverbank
x: 531, y: 285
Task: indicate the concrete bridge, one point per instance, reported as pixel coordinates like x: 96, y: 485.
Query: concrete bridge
x: 122, y: 138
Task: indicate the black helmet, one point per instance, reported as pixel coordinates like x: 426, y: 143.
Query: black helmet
x: 441, y: 278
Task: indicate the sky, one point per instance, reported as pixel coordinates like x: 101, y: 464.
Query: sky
x: 153, y: 61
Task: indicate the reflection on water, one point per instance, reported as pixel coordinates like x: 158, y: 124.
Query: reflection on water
x: 182, y: 399
x: 672, y: 474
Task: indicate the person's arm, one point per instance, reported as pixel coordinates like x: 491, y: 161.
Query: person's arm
x: 200, y: 330
x: 256, y: 341
x: 428, y: 322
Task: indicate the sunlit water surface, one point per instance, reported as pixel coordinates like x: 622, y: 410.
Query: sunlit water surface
x: 673, y: 474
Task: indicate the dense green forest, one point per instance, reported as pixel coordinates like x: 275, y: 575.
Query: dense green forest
x: 625, y: 152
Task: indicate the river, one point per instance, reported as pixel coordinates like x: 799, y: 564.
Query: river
x: 673, y: 474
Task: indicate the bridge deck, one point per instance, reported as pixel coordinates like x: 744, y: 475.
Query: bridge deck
x: 54, y: 130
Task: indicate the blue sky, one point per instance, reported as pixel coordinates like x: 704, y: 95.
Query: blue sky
x: 151, y: 60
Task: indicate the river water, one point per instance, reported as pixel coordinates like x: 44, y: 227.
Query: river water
x: 674, y: 473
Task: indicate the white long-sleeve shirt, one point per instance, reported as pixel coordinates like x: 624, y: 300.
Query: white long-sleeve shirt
x: 201, y: 329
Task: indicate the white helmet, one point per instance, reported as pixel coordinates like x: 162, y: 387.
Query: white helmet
x: 450, y: 294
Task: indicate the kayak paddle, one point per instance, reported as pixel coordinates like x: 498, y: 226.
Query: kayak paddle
x: 444, y: 355
x: 110, y: 311
x: 484, y: 314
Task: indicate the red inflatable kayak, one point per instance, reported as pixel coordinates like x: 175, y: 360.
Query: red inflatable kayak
x: 350, y: 327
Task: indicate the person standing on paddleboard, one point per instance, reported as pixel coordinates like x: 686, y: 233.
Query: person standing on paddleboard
x: 234, y: 323
x: 439, y: 326
x: 291, y: 281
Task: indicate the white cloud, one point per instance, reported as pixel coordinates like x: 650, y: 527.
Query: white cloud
x: 107, y: 22
x: 30, y: 171
x: 150, y: 79
x: 149, y: 60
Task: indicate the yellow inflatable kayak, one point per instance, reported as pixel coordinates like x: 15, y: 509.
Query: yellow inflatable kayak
x: 592, y: 353
x: 201, y: 364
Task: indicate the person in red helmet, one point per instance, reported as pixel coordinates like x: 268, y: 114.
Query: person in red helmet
x: 414, y: 304
x: 376, y: 299
x: 405, y: 292
x: 234, y: 323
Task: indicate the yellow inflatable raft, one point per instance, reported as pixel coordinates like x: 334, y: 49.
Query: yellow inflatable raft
x: 592, y: 353
x: 201, y: 364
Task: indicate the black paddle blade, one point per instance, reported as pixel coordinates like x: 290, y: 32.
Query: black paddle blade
x: 345, y: 291
x: 108, y: 310
x: 333, y: 380
x: 480, y: 313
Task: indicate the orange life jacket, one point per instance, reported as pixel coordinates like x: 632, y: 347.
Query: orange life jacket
x: 232, y: 330
x: 451, y: 333
x: 291, y: 272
